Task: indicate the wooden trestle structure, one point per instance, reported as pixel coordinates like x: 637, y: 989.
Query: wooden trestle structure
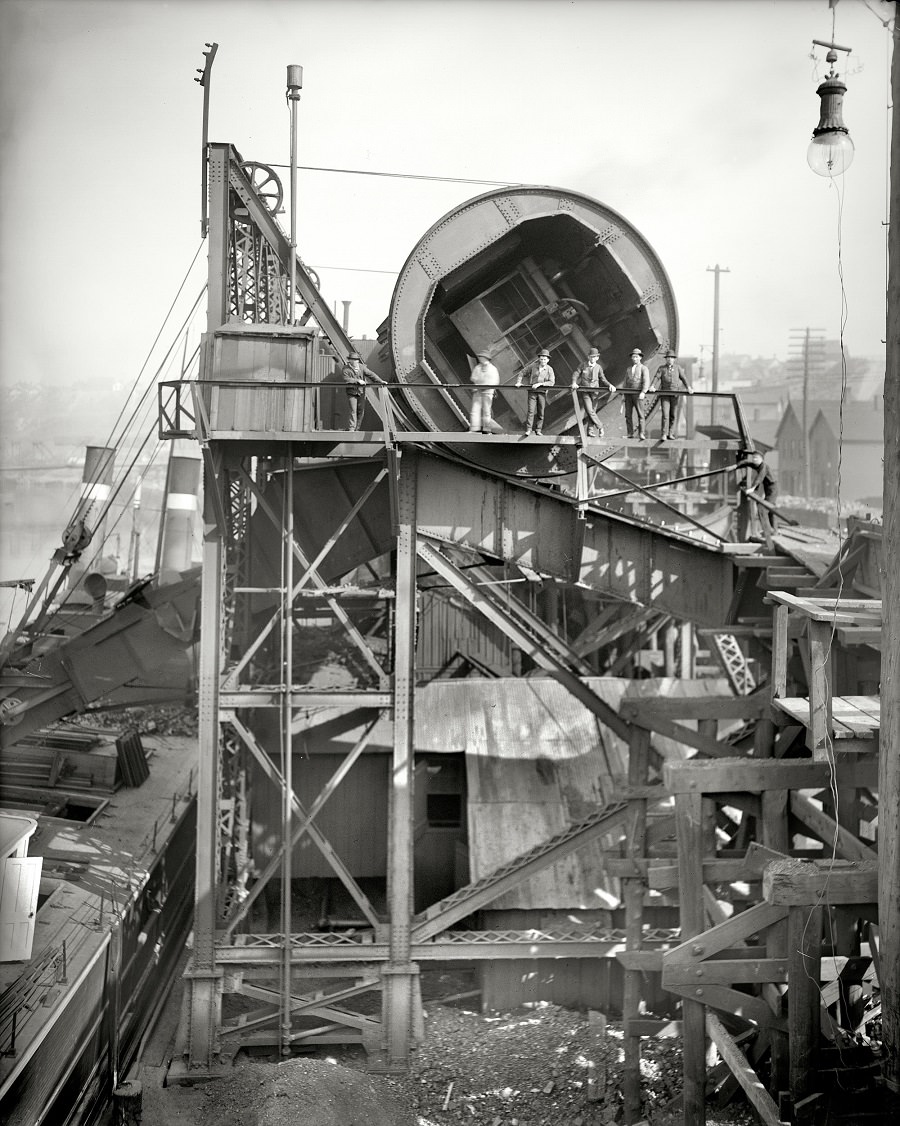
x: 290, y: 509
x: 778, y: 948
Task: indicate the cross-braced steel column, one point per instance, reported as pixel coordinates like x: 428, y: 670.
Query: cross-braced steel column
x: 204, y: 998
x: 400, y: 991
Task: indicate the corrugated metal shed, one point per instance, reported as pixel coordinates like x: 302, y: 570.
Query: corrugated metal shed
x: 448, y: 626
x: 533, y: 764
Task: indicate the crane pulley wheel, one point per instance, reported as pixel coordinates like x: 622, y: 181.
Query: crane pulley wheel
x: 266, y: 184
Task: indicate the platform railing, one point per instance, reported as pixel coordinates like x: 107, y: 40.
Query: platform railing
x: 204, y: 408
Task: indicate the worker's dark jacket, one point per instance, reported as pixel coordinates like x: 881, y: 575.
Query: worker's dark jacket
x: 672, y: 379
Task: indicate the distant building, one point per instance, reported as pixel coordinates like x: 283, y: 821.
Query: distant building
x: 856, y: 433
x: 764, y: 402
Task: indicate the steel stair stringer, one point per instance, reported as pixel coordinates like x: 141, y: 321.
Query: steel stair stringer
x: 728, y: 652
x: 543, y: 636
x: 442, y: 915
x: 496, y: 611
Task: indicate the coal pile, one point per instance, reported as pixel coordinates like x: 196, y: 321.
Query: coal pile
x: 539, y: 1066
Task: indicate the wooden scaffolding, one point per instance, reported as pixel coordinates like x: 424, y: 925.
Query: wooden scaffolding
x: 772, y: 854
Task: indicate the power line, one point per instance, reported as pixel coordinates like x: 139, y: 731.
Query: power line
x: 359, y: 270
x: 401, y: 175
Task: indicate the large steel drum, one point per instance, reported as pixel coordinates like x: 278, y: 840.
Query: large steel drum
x: 513, y: 271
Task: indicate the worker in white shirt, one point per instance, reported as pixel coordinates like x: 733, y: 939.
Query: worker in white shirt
x: 486, y: 379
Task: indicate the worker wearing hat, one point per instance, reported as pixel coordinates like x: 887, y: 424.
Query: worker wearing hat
x: 635, y: 387
x: 356, y: 375
x: 672, y: 383
x: 540, y: 378
x: 757, y: 482
x: 587, y: 382
x: 486, y: 379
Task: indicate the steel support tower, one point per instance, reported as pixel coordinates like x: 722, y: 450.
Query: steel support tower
x: 286, y: 503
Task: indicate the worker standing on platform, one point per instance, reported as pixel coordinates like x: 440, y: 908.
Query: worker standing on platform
x: 486, y: 379
x: 541, y: 378
x: 672, y: 379
x: 587, y: 381
x: 759, y: 483
x: 356, y: 375
x: 635, y: 388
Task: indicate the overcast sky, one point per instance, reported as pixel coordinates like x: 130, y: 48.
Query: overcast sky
x: 690, y: 117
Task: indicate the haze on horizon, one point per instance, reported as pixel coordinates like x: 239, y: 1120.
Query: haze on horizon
x: 691, y: 119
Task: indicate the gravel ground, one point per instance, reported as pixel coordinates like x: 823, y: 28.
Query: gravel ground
x: 539, y: 1066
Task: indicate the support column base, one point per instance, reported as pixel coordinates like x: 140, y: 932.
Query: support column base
x: 183, y: 1074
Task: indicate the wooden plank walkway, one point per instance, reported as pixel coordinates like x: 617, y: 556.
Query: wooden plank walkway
x: 853, y: 717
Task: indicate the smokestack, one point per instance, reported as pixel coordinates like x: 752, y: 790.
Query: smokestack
x: 96, y: 485
x: 346, y: 324
x: 180, y: 508
x: 96, y: 479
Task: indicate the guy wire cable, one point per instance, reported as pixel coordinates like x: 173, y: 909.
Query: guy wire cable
x: 160, y: 332
x: 822, y: 898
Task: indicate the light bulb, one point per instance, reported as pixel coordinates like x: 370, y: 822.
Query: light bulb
x: 830, y: 153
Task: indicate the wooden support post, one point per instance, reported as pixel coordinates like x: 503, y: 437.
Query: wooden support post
x: 804, y: 969
x: 686, y: 651
x: 843, y: 924
x: 779, y: 651
x: 633, y: 895
x: 775, y: 835
x: 127, y: 1104
x: 669, y: 638
x: 820, y: 681
x: 763, y: 738
x: 689, y: 832
x: 889, y: 759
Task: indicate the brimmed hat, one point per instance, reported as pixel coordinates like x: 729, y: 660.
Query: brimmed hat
x: 354, y: 356
x: 593, y: 352
x: 482, y: 355
x: 636, y: 352
x: 670, y: 355
x: 543, y: 352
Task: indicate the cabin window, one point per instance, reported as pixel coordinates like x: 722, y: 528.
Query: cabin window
x: 510, y: 302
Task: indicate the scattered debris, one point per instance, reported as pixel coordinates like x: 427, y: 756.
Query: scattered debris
x: 527, y: 1068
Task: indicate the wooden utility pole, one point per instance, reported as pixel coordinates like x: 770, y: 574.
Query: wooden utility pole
x: 717, y: 270
x: 889, y: 756
x: 807, y: 477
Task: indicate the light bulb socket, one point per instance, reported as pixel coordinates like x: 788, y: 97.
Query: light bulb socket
x: 831, y: 93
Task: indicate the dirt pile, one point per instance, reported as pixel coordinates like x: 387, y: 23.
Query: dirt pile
x: 309, y: 1091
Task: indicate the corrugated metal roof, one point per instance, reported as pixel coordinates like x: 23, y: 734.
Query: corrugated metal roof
x: 534, y: 766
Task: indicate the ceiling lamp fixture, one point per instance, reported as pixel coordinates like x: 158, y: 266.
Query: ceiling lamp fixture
x: 830, y: 151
